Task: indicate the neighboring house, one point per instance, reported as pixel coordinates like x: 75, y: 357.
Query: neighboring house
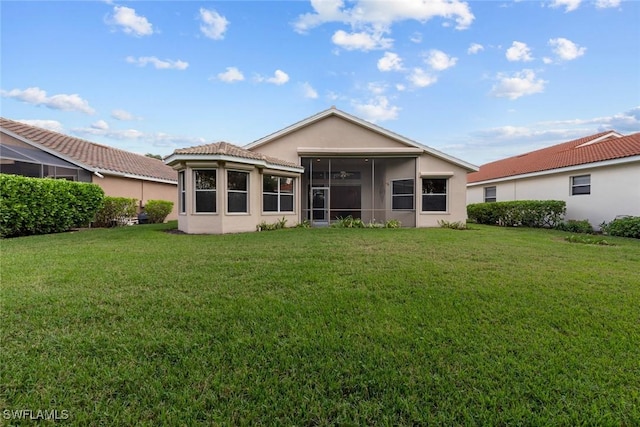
x: 327, y: 166
x: 597, y: 176
x: 35, y: 152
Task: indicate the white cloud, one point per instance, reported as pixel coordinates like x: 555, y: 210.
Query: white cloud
x: 122, y: 115
x: 364, y: 41
x: 279, y: 78
x: 390, y: 62
x: 377, y: 110
x: 100, y: 125
x: 37, y: 96
x: 565, y: 49
x: 231, y: 75
x: 519, y: 84
x: 157, y: 139
x: 569, y: 5
x: 603, y: 4
x: 131, y: 23
x: 519, y: 52
x: 159, y: 64
x: 381, y: 14
x: 474, y: 48
x: 377, y: 88
x: 416, y: 37
x: 52, y: 125
x: 628, y: 121
x: 419, y: 78
x: 213, y: 24
x: 439, y: 61
x: 309, y: 91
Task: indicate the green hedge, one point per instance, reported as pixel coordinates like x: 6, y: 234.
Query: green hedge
x: 41, y: 206
x: 116, y: 211
x: 158, y: 210
x: 526, y: 213
x: 623, y: 227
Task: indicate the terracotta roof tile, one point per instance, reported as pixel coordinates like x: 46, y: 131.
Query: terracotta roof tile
x: 225, y: 148
x: 91, y: 154
x: 580, y: 151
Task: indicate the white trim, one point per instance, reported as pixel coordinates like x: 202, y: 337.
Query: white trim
x: 601, y: 138
x: 231, y: 159
x: 363, y: 123
x: 583, y: 166
x: 444, y: 174
x: 133, y: 176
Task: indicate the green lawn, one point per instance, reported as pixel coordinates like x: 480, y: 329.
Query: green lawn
x: 488, y: 326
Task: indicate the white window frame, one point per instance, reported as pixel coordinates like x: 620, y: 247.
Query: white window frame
x: 246, y: 192
x: 445, y: 194
x: 279, y: 194
x: 488, y: 199
x: 182, y: 193
x: 412, y: 195
x: 575, y: 186
x: 196, y: 191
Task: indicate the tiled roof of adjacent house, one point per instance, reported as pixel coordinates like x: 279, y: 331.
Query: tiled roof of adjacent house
x: 227, y: 149
x: 600, y: 147
x: 101, y: 158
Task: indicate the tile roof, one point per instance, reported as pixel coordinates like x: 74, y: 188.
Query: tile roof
x: 226, y: 149
x: 101, y: 158
x: 600, y: 147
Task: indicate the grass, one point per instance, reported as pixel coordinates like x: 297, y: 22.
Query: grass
x: 489, y: 326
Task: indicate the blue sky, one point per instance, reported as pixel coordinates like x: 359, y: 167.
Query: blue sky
x: 479, y: 80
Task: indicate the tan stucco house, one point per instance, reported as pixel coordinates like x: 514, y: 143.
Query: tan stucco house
x: 35, y: 152
x: 324, y: 167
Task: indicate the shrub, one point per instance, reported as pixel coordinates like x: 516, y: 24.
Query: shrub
x: 458, y: 225
x: 42, y: 205
x: 527, y: 213
x: 265, y: 226
x: 158, y: 210
x: 348, y: 222
x: 115, y: 211
x: 575, y: 226
x: 587, y: 240
x: 623, y: 227
x: 392, y: 223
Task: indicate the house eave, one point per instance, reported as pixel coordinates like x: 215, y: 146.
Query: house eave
x: 261, y: 164
x: 580, y: 167
x: 133, y: 176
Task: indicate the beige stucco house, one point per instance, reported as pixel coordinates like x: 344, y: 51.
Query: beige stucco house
x: 324, y: 167
x: 35, y: 152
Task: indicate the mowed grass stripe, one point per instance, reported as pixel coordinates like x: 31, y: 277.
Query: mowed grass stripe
x: 322, y: 326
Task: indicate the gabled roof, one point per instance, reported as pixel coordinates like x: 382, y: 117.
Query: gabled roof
x: 601, y: 147
x: 89, y: 155
x: 224, y: 151
x: 365, y: 124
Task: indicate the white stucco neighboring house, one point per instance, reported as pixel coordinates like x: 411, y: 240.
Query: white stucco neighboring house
x: 598, y: 177
x: 322, y: 168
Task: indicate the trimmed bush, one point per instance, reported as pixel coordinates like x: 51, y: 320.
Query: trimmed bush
x: 43, y: 205
x: 158, y: 210
x: 574, y: 226
x: 115, y: 211
x: 623, y: 227
x: 526, y: 213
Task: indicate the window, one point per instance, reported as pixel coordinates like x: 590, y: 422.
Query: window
x: 182, y: 195
x: 402, y: 194
x: 580, y: 185
x: 489, y: 194
x: 277, y: 193
x: 434, y: 195
x: 205, y: 190
x: 237, y: 192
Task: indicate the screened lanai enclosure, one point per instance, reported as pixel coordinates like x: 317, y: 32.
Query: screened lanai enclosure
x: 374, y: 189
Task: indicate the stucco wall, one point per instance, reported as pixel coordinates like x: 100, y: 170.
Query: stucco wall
x: 222, y: 222
x: 140, y: 190
x: 615, y: 190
